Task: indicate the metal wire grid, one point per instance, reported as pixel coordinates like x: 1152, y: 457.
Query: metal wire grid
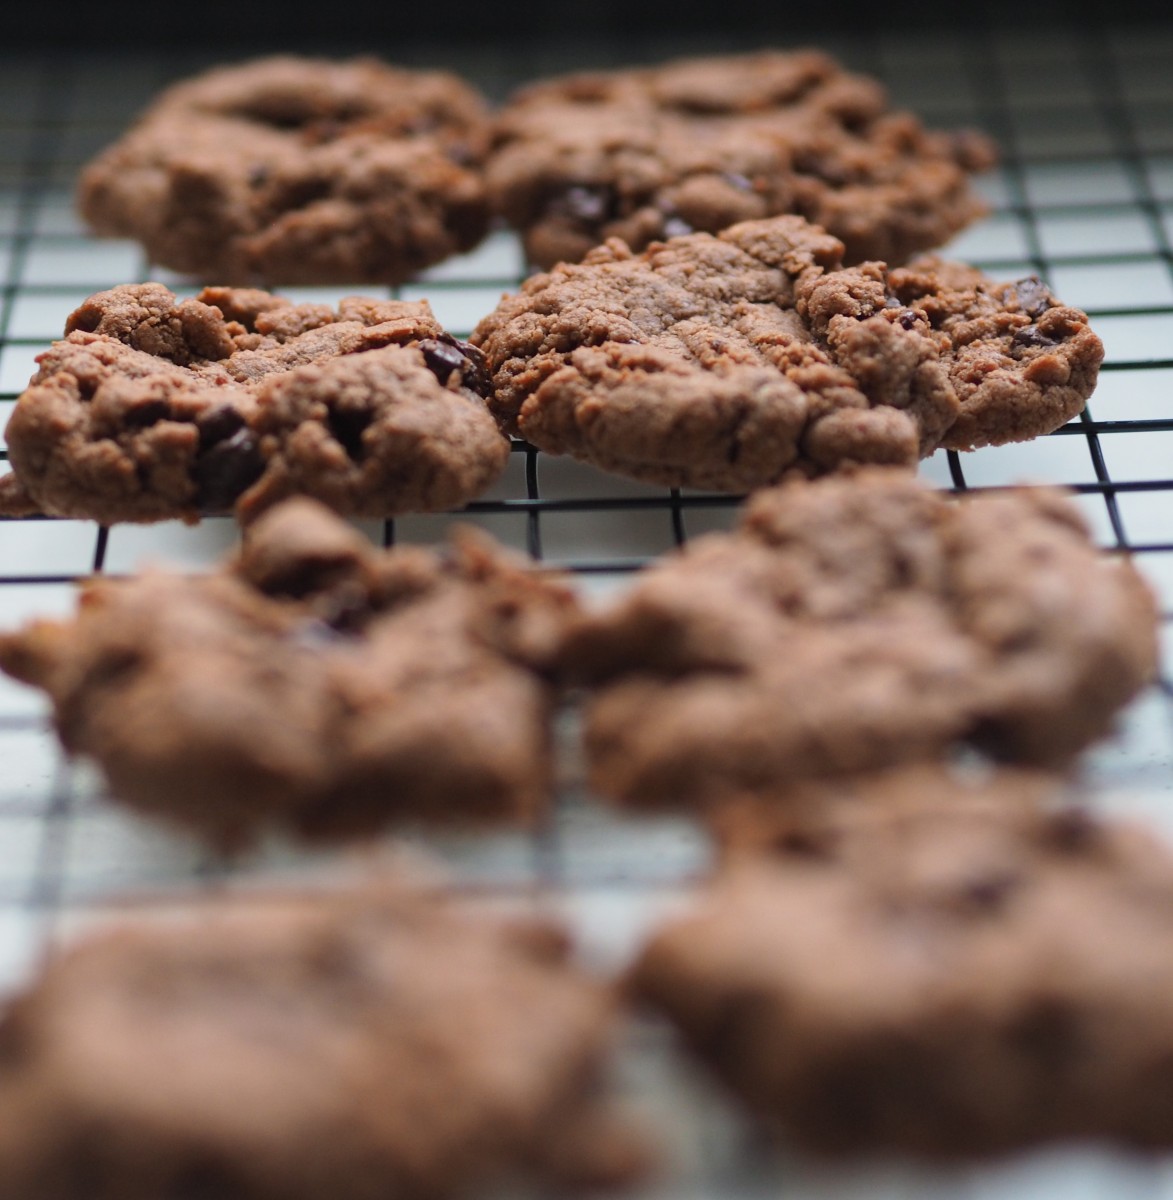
x: 1084, y: 198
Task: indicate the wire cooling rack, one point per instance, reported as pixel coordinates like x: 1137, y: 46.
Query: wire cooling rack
x: 1084, y: 197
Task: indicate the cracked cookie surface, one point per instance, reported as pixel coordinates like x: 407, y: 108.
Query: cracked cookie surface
x: 700, y: 144
x: 292, y: 170
x: 855, y: 623
x: 955, y: 976
x: 312, y: 683
x: 153, y: 407
x: 354, y: 1042
x: 732, y: 362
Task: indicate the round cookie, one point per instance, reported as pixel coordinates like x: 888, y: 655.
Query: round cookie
x: 153, y: 408
x: 356, y: 1043
x: 313, y: 683
x: 700, y: 144
x: 856, y: 623
x: 290, y: 170
x: 943, y: 980
x: 734, y: 361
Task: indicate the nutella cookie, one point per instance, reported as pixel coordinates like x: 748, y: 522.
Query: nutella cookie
x: 153, y: 407
x: 347, y: 1045
x: 731, y: 362
x: 941, y: 981
x: 854, y: 623
x: 699, y: 144
x: 312, y: 682
x: 295, y: 171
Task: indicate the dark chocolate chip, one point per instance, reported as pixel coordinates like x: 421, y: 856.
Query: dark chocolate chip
x: 224, y: 470
x: 150, y: 412
x: 908, y: 320
x: 442, y: 359
x: 446, y: 354
x: 1030, y: 335
x: 1033, y: 297
x: 347, y: 426
x: 218, y: 424
x: 677, y: 227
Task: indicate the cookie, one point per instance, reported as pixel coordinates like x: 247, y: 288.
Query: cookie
x: 732, y: 362
x: 293, y: 170
x: 956, y: 980
x: 699, y: 144
x: 854, y: 623
x: 312, y: 683
x: 349, y: 1044
x: 153, y: 407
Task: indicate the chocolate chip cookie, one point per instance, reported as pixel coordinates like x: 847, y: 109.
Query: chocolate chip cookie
x: 854, y: 623
x: 954, y: 980
x: 352, y: 1045
x: 292, y: 170
x: 700, y: 144
x: 732, y: 362
x: 153, y: 407
x: 312, y: 683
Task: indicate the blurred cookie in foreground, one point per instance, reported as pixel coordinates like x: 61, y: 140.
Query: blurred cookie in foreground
x: 943, y: 981
x: 734, y: 361
x: 646, y: 153
x: 289, y: 170
x: 312, y: 683
x: 154, y: 407
x: 357, y: 1043
x: 859, y: 622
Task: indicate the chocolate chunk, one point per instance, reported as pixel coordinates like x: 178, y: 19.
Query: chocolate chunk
x: 150, y: 412
x: 1031, y: 335
x: 218, y: 424
x: 442, y: 359
x: 446, y: 354
x: 226, y: 469
x: 347, y: 426
x: 1033, y: 297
